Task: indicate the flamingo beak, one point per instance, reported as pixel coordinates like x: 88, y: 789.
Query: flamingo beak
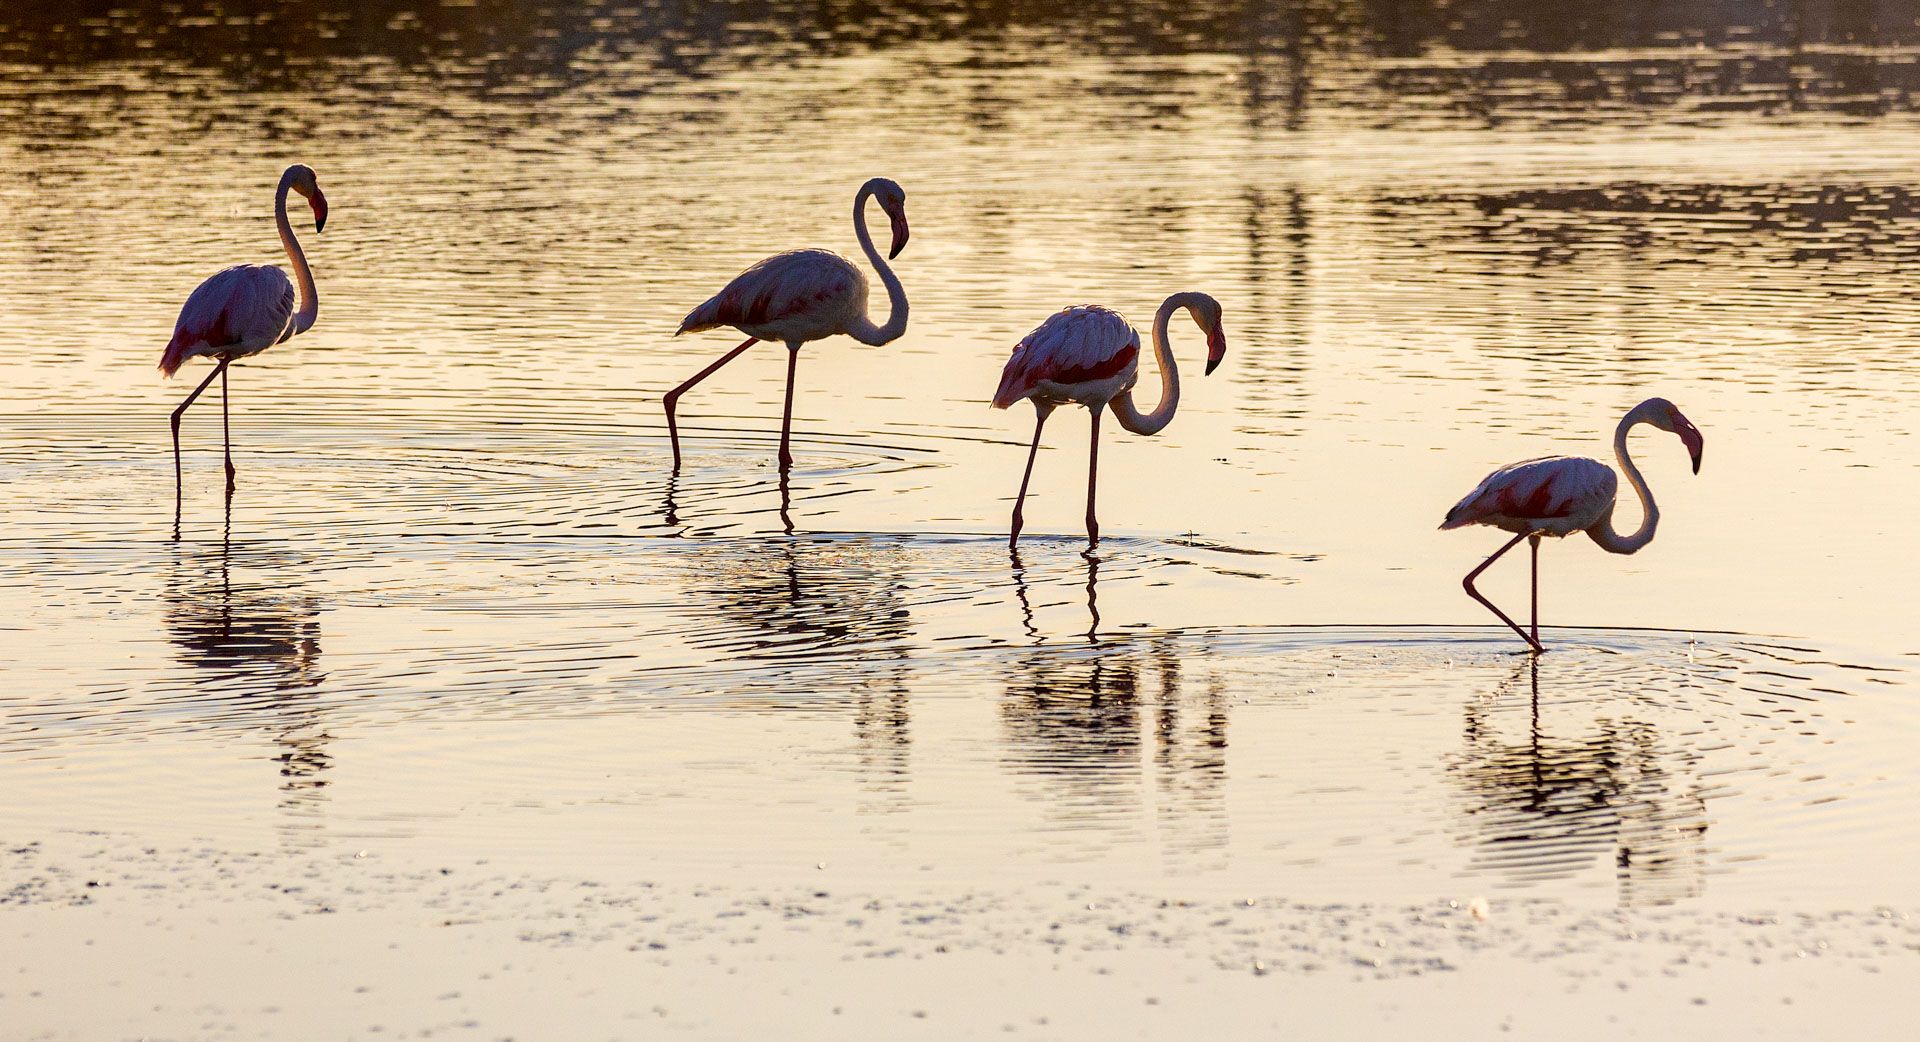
x: 1690, y: 437
x: 899, y: 233
x: 319, y: 204
x: 1216, y: 347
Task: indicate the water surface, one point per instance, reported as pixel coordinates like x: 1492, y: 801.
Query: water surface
x: 458, y: 611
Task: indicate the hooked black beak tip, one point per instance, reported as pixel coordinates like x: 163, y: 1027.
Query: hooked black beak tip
x: 1212, y: 364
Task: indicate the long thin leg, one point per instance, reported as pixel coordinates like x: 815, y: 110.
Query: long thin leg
x: 1093, y: 477
x: 1041, y: 411
x: 673, y: 397
x: 226, y: 428
x: 1475, y: 594
x: 1534, y: 541
x: 786, y: 415
x: 179, y: 482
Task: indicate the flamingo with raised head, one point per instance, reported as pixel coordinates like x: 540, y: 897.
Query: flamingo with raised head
x: 801, y: 296
x: 1560, y: 495
x: 243, y: 310
x: 1090, y: 356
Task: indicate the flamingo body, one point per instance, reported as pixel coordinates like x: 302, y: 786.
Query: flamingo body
x: 1090, y: 356
x: 800, y: 295
x: 1559, y: 495
x: 237, y: 312
x: 1083, y: 354
x: 1554, y: 496
x: 243, y: 310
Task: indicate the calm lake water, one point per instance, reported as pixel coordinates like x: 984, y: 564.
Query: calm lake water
x: 458, y: 613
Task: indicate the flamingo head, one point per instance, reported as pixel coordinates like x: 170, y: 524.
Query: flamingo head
x: 1667, y: 416
x: 1206, y: 314
x: 893, y: 199
x: 301, y: 178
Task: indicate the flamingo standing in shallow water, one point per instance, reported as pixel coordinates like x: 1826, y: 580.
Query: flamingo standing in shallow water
x: 1091, y: 356
x: 1560, y: 495
x: 243, y: 310
x: 800, y: 296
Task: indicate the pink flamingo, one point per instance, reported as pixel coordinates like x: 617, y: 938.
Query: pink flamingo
x: 800, y: 296
x: 243, y: 310
x: 1560, y: 495
x: 1091, y: 356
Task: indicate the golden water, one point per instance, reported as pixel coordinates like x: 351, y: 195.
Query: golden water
x: 458, y: 609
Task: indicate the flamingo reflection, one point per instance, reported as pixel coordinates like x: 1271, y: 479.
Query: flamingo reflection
x: 1101, y: 733
x: 253, y: 648
x: 1544, y: 808
x: 1023, y: 595
x: 833, y: 615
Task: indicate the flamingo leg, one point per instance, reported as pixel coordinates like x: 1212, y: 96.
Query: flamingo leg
x: 226, y: 428
x: 1093, y: 477
x: 1041, y: 411
x: 1534, y: 542
x: 1475, y: 594
x: 179, y: 483
x: 786, y: 415
x: 672, y: 399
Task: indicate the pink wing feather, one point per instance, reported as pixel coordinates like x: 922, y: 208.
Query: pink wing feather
x: 247, y: 308
x: 1077, y: 345
x: 783, y: 286
x: 1547, y: 489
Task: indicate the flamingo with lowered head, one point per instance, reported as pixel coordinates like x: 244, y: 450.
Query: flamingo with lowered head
x: 1560, y: 495
x: 1091, y: 356
x: 800, y: 296
x: 243, y: 310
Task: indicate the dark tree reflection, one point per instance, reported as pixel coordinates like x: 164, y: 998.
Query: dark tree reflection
x: 1786, y: 54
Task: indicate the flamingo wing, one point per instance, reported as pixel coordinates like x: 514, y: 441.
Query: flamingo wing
x: 784, y: 286
x: 239, y: 310
x: 1550, y: 492
x: 1073, y: 346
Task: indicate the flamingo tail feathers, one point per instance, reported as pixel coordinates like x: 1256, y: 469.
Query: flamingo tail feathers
x: 1468, y: 510
x: 175, y: 355
x: 1013, y: 386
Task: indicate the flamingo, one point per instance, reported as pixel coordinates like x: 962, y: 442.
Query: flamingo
x: 1091, y: 356
x: 1559, y: 495
x: 800, y: 296
x: 243, y: 310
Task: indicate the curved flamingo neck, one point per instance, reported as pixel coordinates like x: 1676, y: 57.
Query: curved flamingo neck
x: 1124, y: 410
x: 309, y: 295
x: 1603, y: 532
x: 863, y: 328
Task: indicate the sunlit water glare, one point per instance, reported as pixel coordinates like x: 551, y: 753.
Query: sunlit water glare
x: 459, y: 608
